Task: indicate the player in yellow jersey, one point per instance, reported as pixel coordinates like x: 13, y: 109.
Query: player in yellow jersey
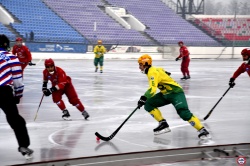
x: 99, y: 51
x: 170, y: 93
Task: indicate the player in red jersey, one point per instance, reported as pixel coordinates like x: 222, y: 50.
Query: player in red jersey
x: 184, y: 54
x: 61, y: 84
x: 23, y: 53
x: 244, y: 67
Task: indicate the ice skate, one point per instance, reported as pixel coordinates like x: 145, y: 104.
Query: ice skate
x: 184, y: 78
x: 101, y: 71
x: 26, y: 152
x: 162, y: 128
x: 204, y: 134
x: 85, y: 114
x: 66, y: 115
x: 188, y: 77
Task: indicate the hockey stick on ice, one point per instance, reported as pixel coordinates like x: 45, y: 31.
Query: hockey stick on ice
x: 209, y: 113
x: 32, y: 64
x: 116, y: 131
x: 39, y: 107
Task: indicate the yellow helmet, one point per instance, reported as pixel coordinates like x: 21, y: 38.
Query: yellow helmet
x: 145, y: 60
x: 99, y: 42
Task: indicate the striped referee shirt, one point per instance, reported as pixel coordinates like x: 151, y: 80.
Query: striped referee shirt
x: 11, y: 72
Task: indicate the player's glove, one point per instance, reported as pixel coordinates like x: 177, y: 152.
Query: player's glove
x: 30, y: 63
x: 49, y: 91
x: 176, y: 59
x: 231, y: 82
x: 142, y: 101
x: 17, y: 99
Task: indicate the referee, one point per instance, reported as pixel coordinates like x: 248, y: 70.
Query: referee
x: 11, y: 90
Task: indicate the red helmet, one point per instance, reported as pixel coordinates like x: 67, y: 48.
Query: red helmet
x: 19, y: 39
x: 49, y: 62
x: 245, y: 51
x: 180, y: 42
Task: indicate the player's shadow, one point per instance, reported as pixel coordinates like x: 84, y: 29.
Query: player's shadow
x: 162, y: 141
x: 110, y: 144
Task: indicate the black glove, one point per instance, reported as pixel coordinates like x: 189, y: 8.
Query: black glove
x: 30, y: 63
x: 167, y: 73
x: 142, y: 101
x: 17, y: 99
x: 176, y: 59
x: 231, y: 82
x: 49, y: 91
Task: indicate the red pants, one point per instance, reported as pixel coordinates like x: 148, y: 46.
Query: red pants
x: 70, y: 92
x: 184, y: 67
x: 23, y: 65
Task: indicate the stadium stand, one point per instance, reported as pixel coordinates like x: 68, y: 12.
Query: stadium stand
x: 37, y: 17
x: 227, y: 28
x: 165, y: 26
x: 6, y: 31
x: 69, y: 21
x: 82, y: 16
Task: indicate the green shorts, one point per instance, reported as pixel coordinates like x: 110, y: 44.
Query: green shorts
x: 98, y: 61
x: 178, y: 100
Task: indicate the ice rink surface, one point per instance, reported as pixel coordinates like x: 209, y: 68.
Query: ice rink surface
x: 111, y: 96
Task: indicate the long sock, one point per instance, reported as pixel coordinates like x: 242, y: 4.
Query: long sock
x: 101, y: 67
x: 80, y: 107
x: 61, y: 105
x: 195, y: 122
x: 156, y: 113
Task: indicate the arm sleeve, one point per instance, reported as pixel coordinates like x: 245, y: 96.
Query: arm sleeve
x: 104, y: 50
x: 45, y: 77
x: 62, y: 80
x: 16, y: 71
x: 28, y: 54
x: 180, y: 55
x: 239, y: 71
x: 183, y: 52
x: 95, y: 50
x: 14, y: 50
x: 153, y: 83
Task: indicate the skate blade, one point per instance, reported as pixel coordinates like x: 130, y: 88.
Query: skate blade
x: 166, y: 130
x: 86, y: 118
x: 28, y: 157
x: 205, y: 137
x: 67, y: 119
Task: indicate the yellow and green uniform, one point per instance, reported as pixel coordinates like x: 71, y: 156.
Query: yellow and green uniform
x: 99, y: 51
x: 170, y: 93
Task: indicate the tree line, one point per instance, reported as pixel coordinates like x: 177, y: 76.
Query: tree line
x: 233, y: 7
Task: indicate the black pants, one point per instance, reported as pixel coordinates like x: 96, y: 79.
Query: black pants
x: 16, y: 122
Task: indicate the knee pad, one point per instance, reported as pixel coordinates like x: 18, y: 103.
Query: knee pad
x: 74, y: 101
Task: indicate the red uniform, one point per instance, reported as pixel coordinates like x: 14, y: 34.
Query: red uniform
x: 184, y: 54
x: 63, y: 83
x: 245, y: 67
x: 23, y: 54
